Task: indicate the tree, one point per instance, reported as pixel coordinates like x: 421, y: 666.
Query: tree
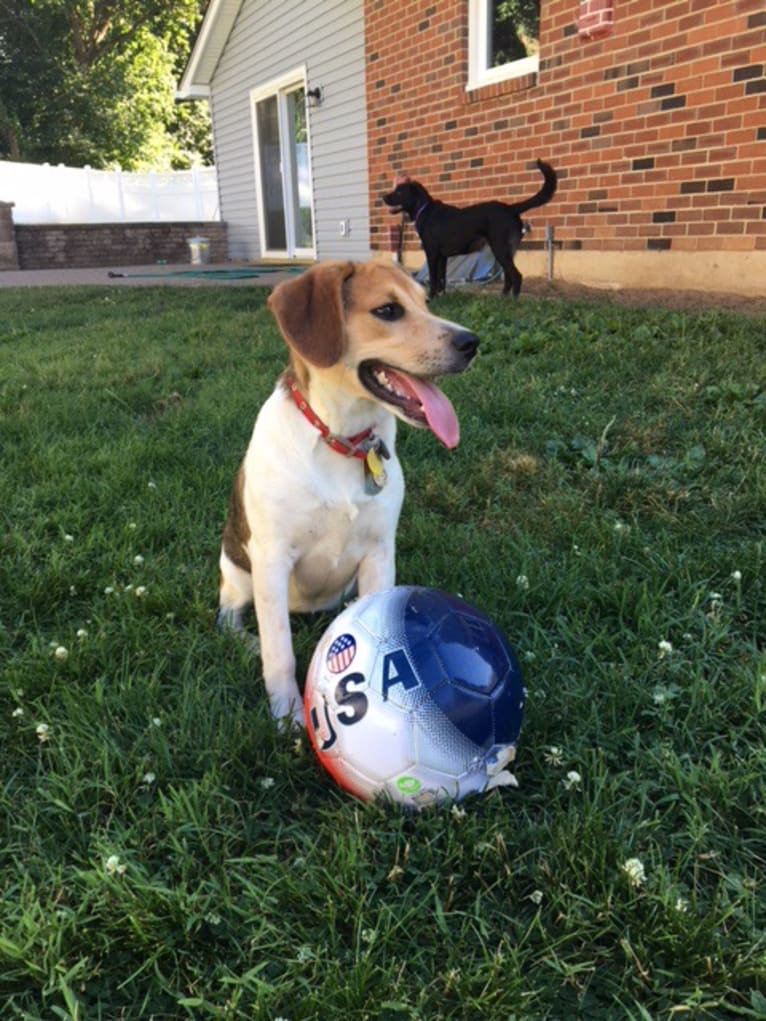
x: 515, y: 29
x: 93, y: 81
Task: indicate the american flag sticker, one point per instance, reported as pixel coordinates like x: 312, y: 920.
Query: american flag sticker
x: 341, y: 654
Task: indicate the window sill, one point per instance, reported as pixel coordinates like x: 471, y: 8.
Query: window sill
x: 519, y: 83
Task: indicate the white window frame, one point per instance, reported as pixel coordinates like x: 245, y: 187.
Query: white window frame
x: 479, y: 73
x: 284, y: 83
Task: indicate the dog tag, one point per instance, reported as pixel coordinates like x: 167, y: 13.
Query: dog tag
x: 374, y: 472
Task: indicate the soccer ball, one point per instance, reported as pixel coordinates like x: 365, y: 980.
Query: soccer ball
x: 415, y: 696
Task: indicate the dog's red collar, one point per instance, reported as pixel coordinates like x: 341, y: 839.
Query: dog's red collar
x: 349, y: 446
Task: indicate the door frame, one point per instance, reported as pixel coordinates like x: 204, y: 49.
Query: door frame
x: 280, y: 86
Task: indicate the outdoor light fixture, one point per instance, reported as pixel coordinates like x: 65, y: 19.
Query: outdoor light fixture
x: 314, y: 96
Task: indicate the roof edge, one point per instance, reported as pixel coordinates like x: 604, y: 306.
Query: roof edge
x: 209, y: 45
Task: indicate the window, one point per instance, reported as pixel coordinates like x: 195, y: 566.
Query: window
x: 503, y: 40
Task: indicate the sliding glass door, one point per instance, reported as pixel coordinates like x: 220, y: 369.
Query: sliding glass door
x: 283, y: 169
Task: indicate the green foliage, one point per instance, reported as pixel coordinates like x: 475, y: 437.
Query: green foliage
x: 166, y: 852
x: 515, y: 30
x: 93, y: 83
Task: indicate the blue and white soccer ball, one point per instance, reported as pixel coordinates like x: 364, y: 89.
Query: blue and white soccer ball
x: 415, y: 696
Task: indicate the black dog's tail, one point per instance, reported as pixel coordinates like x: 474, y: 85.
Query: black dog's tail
x: 545, y: 194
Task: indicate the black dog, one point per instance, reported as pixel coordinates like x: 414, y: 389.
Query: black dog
x: 447, y: 230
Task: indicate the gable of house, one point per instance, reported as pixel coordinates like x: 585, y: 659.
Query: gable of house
x: 266, y: 45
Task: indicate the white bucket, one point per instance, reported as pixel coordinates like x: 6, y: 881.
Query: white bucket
x: 199, y: 250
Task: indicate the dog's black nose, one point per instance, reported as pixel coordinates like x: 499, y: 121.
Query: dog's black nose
x: 466, y: 343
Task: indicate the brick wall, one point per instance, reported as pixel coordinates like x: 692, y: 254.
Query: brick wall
x: 652, y: 111
x: 74, y: 246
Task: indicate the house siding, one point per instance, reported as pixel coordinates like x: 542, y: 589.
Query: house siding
x: 653, y: 114
x: 267, y: 41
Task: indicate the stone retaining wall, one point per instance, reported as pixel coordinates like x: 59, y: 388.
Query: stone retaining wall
x: 79, y: 246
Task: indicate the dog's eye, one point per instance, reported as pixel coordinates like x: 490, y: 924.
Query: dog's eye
x: 389, y: 312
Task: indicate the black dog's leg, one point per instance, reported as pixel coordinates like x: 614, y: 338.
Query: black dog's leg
x: 513, y: 280
x: 433, y: 274
x: 504, y: 253
x: 442, y: 274
x: 516, y: 279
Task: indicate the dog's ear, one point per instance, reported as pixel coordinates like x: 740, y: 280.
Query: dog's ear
x: 309, y: 311
x: 401, y: 179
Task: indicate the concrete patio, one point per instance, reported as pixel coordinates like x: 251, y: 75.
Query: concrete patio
x: 176, y: 275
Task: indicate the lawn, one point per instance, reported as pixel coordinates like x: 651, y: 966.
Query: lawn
x: 165, y: 852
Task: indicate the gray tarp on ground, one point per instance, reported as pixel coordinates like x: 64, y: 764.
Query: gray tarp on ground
x: 475, y: 268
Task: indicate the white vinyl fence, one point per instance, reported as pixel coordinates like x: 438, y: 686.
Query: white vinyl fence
x: 57, y: 194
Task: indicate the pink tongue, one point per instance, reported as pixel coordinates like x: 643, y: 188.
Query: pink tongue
x: 439, y: 413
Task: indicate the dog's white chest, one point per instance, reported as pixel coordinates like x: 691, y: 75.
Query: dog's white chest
x: 340, y: 533
x: 310, y: 507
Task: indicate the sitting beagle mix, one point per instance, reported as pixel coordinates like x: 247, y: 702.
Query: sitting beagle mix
x: 315, y: 504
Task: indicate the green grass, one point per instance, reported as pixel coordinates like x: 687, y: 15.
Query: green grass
x: 608, y: 495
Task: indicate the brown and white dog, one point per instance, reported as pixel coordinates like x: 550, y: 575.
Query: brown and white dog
x: 315, y: 505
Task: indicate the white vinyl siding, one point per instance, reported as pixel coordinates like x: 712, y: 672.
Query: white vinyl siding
x: 269, y: 39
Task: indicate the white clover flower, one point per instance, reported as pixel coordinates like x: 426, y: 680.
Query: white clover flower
x: 716, y: 605
x: 68, y: 538
x: 522, y: 582
x: 572, y: 781
x: 554, y: 756
x: 72, y: 590
x: 452, y: 976
x: 458, y: 813
x: 152, y: 485
x: 266, y: 782
x: 138, y: 560
x: 140, y: 592
x: 368, y: 935
x: 17, y: 712
x: 736, y: 576
x: 665, y: 648
x: 109, y: 590
x: 620, y: 526
x: 82, y: 634
x: 149, y: 778
x: 536, y: 896
x: 682, y: 905
x: 635, y: 872
x: 43, y: 732
x: 156, y: 721
x: 114, y: 867
x: 132, y: 526
x: 61, y: 652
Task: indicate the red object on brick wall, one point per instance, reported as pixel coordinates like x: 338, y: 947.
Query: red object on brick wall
x: 596, y: 18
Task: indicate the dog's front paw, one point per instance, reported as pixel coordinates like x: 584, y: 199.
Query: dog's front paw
x: 287, y: 709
